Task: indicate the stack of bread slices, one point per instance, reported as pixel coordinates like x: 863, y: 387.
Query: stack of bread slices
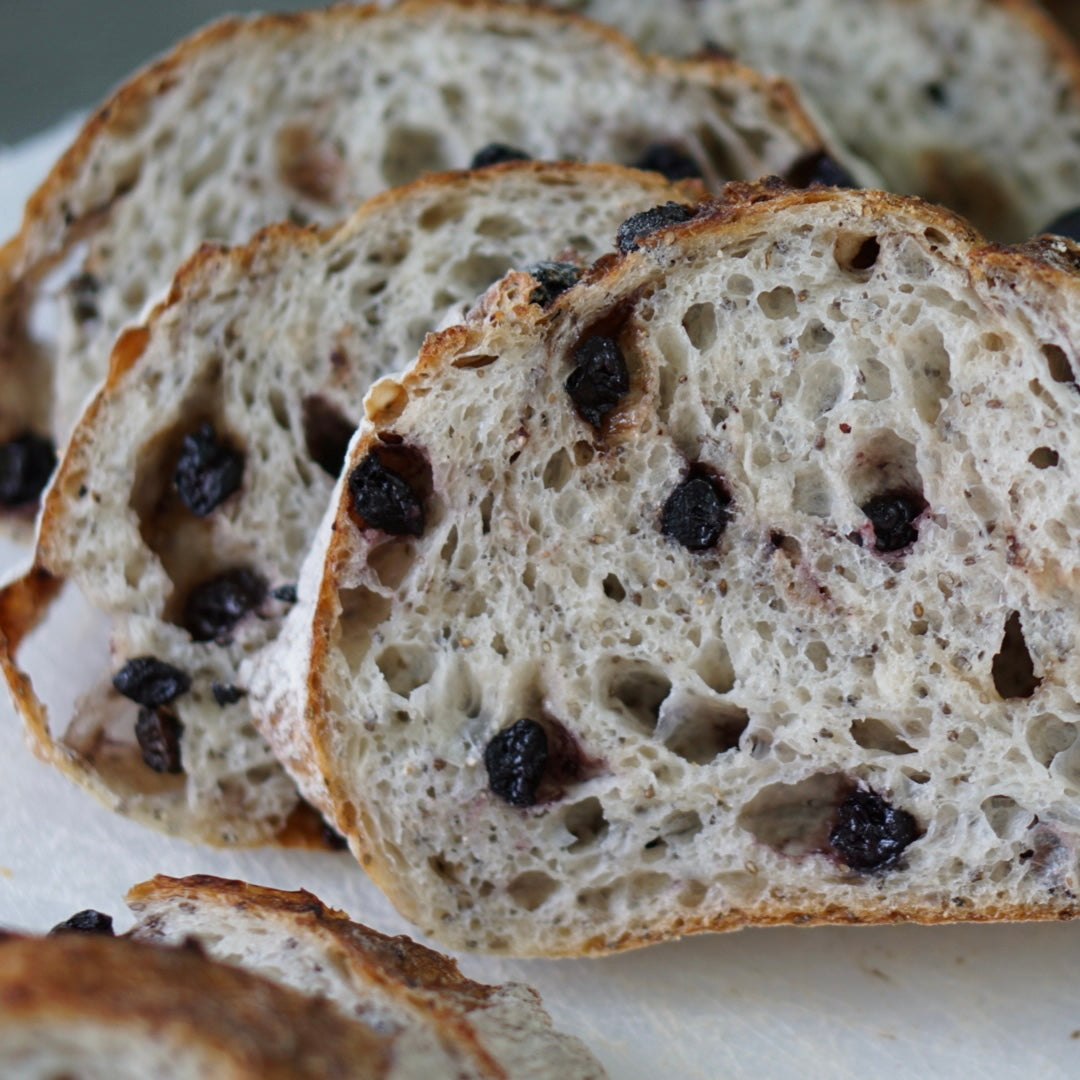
x: 590, y: 483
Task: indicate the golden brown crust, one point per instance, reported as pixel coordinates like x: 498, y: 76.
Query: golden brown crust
x: 420, y: 980
x: 247, y: 1025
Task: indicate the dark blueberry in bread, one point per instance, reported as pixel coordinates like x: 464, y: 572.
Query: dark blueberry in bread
x: 819, y: 168
x: 207, y: 471
x: 639, y: 225
x: 892, y: 515
x: 216, y: 606
x: 870, y: 833
x: 83, y: 292
x: 552, y: 278
x: 384, y: 499
x: 695, y: 514
x: 85, y: 922
x: 600, y: 379
x: 150, y: 682
x: 285, y: 593
x: 515, y: 760
x: 669, y: 161
x: 226, y: 693
x: 26, y: 463
x: 1068, y: 224
x: 495, y: 154
x: 158, y: 733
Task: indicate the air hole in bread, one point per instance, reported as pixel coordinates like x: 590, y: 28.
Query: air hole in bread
x: 614, y: 589
x: 646, y: 886
x: 405, y: 667
x: 795, y: 819
x: 310, y: 164
x: 529, y: 890
x: 873, y: 734
x: 927, y: 361
x: 476, y: 272
x: 391, y: 560
x: 778, y: 303
x: 1048, y: 735
x: 1006, y: 816
x: 585, y: 821
x: 327, y: 431
x: 1012, y: 668
x: 884, y: 462
x: 446, y: 210
x: 278, y: 409
x: 361, y: 611
x: 856, y: 254
x: 721, y: 160
x: 699, y: 730
x: 811, y: 493
x: 636, y: 689
x: 691, y: 894
x: 410, y: 152
x: 1042, y: 457
x: 558, y: 470
x: 816, y: 337
x: 699, y: 322
x: 817, y: 652
x: 1061, y: 370
x: 874, y: 380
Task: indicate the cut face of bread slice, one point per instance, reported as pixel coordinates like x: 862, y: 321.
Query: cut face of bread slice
x: 745, y: 592
x: 399, y: 988
x: 297, y: 118
x: 195, y: 481
x: 971, y: 103
x: 103, y: 1008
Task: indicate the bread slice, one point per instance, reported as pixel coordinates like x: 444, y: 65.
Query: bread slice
x: 399, y: 988
x: 971, y: 103
x: 254, y: 121
x: 103, y: 1008
x: 193, y: 485
x: 773, y: 620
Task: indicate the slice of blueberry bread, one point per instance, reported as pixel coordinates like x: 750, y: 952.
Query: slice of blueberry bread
x: 297, y: 117
x: 971, y: 103
x: 91, y: 1006
x: 736, y: 587
x: 418, y: 996
x: 193, y: 484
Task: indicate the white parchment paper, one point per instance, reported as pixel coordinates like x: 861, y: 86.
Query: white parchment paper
x: 837, y: 1003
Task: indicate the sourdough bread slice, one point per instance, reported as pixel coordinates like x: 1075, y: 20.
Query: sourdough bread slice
x: 773, y: 619
x: 971, y: 103
x: 396, y: 986
x: 254, y: 121
x: 102, y: 1008
x: 195, y: 481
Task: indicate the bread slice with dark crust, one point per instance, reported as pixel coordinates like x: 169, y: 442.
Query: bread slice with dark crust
x: 258, y: 363
x: 970, y: 103
x: 780, y: 626
x: 400, y: 988
x: 298, y: 117
x: 103, y: 1008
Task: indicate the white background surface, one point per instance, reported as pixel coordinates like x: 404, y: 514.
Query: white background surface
x: 866, y: 1003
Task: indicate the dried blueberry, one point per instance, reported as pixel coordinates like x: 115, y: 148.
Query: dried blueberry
x: 26, y: 463
x: 495, y: 154
x: 669, y: 161
x: 552, y: 278
x: 695, y: 514
x: 207, y: 471
x: 639, y: 225
x: 226, y: 693
x: 515, y: 760
x: 600, y: 379
x: 158, y: 733
x: 285, y: 593
x: 869, y: 833
x: 819, y: 168
x: 85, y: 922
x: 384, y: 499
x: 1067, y: 224
x: 216, y: 606
x: 83, y: 290
x: 150, y: 682
x: 892, y: 515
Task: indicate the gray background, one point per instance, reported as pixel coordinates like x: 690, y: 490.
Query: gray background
x: 57, y: 56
